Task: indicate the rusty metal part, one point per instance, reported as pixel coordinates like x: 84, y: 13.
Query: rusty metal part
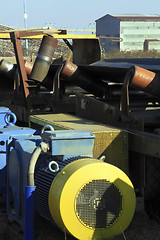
x: 142, y: 78
x: 15, y: 38
x: 11, y: 74
x: 9, y: 69
x: 44, y: 58
x: 28, y: 66
x: 32, y: 34
x: 69, y: 69
x: 81, y: 78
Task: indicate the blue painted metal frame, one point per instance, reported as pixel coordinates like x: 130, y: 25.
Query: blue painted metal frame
x: 70, y: 143
x: 16, y: 147
x: 29, y: 213
x: 8, y: 131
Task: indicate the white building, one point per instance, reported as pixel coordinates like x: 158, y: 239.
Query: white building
x: 133, y: 29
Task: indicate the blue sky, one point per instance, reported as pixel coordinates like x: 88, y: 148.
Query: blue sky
x: 70, y: 13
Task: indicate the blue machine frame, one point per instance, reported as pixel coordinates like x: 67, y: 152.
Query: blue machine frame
x: 17, y: 147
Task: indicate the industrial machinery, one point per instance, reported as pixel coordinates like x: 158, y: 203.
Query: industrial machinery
x: 53, y: 174
x: 32, y: 86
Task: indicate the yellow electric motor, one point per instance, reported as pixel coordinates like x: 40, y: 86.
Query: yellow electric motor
x: 91, y: 199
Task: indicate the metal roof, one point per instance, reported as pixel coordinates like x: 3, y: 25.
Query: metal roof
x: 134, y: 17
x: 138, y: 18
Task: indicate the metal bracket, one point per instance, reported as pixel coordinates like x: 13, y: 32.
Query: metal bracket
x: 15, y: 38
x: 56, y: 86
x: 124, y: 103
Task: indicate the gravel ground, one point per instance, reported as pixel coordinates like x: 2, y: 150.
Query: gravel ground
x: 7, y: 50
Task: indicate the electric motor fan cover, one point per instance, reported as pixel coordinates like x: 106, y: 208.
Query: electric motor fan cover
x: 91, y: 199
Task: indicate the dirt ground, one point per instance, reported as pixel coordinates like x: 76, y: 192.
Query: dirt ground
x: 141, y: 228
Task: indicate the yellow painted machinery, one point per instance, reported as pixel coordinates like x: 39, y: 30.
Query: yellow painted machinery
x: 77, y: 183
x: 56, y: 177
x: 92, y: 200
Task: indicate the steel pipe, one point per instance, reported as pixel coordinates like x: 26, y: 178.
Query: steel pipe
x: 7, y: 68
x: 44, y: 58
x: 28, y: 66
x: 144, y: 80
x: 87, y: 81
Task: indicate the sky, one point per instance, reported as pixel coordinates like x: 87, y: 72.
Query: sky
x: 70, y: 14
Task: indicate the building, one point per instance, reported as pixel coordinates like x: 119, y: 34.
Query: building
x: 133, y: 29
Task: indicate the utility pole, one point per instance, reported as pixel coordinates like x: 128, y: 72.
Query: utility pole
x: 25, y: 25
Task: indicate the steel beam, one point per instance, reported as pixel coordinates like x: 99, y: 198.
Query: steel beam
x: 15, y: 38
x: 144, y: 143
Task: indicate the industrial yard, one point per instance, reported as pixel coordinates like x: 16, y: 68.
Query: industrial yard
x: 80, y: 127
